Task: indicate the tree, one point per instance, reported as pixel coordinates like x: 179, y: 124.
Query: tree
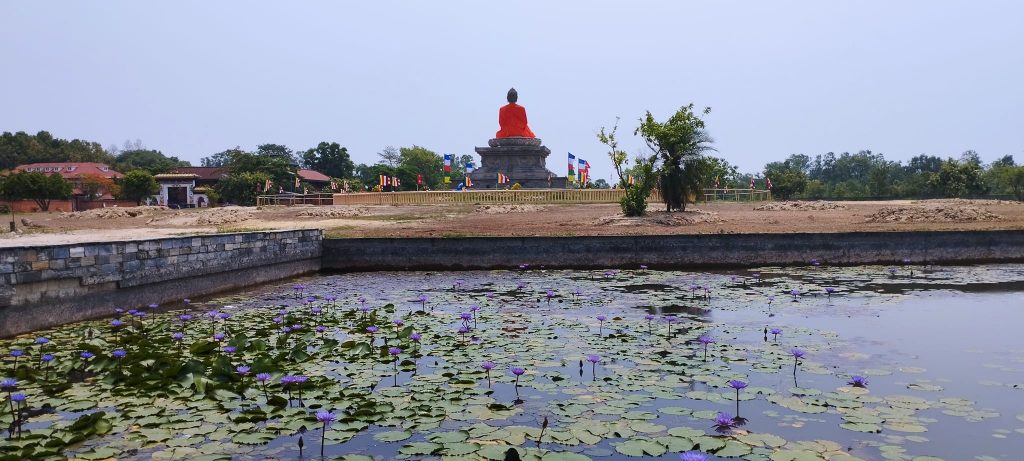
x: 276, y: 167
x: 240, y: 188
x: 36, y: 186
x: 330, y: 159
x: 95, y: 186
x: 645, y: 176
x: 138, y: 185
x: 279, y: 151
x: 602, y: 184
x: 1013, y: 178
x: 21, y: 148
x: 787, y: 180
x: 153, y: 161
x: 618, y: 156
x: 958, y: 179
x: 420, y: 160
x: 390, y: 156
x: 681, y: 144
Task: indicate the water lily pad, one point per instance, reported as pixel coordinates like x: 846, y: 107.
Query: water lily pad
x: 391, y: 436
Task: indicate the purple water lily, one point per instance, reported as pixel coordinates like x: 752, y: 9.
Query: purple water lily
x: 738, y: 385
x: 518, y: 371
x: 600, y: 328
x: 858, y: 381
x: 326, y: 418
x: 593, y: 359
x: 797, y: 355
x: 724, y: 422
x: 242, y: 370
x: 775, y: 333
x: 693, y: 456
x: 487, y: 366
x: 705, y: 340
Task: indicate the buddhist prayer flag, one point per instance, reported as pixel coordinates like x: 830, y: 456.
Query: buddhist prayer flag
x: 296, y: 182
x: 716, y: 182
x: 629, y: 179
x: 267, y: 185
x: 572, y: 166
x: 395, y: 182
x: 383, y: 181
x: 767, y: 183
x: 751, y: 183
x: 334, y: 185
x: 447, y: 163
x: 502, y: 179
x: 469, y: 182
x: 469, y: 167
x: 419, y: 179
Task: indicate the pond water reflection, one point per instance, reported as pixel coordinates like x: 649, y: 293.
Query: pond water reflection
x: 938, y: 346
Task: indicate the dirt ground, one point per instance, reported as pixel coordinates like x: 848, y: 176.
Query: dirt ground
x: 517, y: 220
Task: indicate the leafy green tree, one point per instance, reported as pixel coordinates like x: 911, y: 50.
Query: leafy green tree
x: 618, y: 156
x: 420, y: 160
x: 601, y: 184
x: 21, y: 148
x: 726, y: 173
x: 138, y: 185
x: 36, y: 186
x: 1013, y: 178
x: 681, y: 144
x: 958, y: 179
x: 276, y: 167
x: 279, y: 151
x: 240, y: 188
x: 645, y: 177
x: 329, y: 158
x: 788, y: 178
x: 153, y: 161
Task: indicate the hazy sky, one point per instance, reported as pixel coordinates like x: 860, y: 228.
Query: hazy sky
x: 782, y: 77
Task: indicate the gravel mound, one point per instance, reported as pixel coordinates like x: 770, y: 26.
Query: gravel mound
x: 115, y: 213
x: 504, y: 209
x: 332, y: 212
x: 932, y: 213
x: 800, y: 206
x: 662, y: 218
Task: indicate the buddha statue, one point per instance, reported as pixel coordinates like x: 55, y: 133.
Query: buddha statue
x: 512, y: 119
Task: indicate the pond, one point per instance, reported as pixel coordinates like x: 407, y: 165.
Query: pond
x: 913, y: 363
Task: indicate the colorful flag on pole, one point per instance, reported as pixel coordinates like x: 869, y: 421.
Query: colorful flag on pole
x: 629, y: 179
x: 469, y: 182
x: 768, y: 183
x: 716, y: 182
x: 502, y: 179
x: 383, y: 181
x: 469, y: 167
x: 419, y: 179
x: 267, y: 185
x: 448, y: 168
x: 751, y: 183
x: 334, y: 185
x: 572, y: 166
x: 395, y: 182
x: 579, y: 171
x: 296, y: 182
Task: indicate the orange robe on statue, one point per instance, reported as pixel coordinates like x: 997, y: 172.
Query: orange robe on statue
x: 512, y: 120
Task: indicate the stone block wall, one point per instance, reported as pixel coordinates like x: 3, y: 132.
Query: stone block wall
x: 673, y: 251
x: 46, y: 286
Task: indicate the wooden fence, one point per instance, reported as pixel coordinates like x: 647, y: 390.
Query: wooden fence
x: 494, y: 196
x: 296, y: 199
x: 737, y: 195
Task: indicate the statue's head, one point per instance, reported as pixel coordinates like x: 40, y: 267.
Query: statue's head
x: 512, y: 95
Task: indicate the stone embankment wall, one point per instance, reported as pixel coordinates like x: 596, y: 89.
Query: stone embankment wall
x: 673, y: 251
x: 47, y: 286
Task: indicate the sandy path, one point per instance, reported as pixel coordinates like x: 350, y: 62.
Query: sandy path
x: 521, y: 220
